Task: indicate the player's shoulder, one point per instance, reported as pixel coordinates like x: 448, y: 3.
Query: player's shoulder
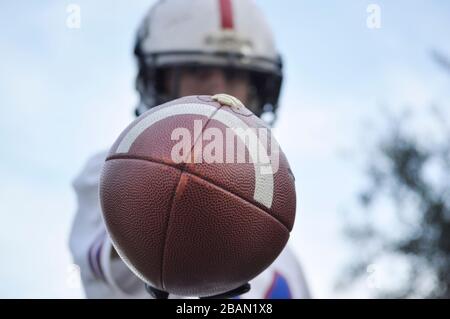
x: 90, y: 173
x: 289, y: 264
x: 286, y: 277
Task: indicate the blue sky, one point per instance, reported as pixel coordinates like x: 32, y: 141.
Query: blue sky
x: 67, y: 93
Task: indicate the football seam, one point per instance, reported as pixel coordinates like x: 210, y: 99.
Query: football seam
x: 147, y: 159
x: 181, y: 169
x: 240, y: 197
x: 172, y: 201
x: 199, y: 137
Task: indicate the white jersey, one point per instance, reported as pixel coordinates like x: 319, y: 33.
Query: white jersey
x: 104, y: 276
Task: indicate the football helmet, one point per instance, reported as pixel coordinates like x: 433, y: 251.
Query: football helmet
x: 232, y: 35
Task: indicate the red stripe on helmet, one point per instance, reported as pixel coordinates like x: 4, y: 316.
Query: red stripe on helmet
x: 226, y: 14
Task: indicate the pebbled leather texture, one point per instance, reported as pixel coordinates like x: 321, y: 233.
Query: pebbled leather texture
x: 192, y: 229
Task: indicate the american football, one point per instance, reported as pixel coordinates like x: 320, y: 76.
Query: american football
x: 198, y: 226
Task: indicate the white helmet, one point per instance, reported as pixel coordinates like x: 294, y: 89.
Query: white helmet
x: 223, y: 33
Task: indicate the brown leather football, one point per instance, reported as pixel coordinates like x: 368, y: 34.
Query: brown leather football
x: 192, y: 209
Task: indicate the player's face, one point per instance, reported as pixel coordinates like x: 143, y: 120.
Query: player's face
x: 211, y: 81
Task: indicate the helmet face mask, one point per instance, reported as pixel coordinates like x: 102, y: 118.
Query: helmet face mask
x: 179, y: 36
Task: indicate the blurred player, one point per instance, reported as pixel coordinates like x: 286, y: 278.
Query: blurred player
x: 188, y: 48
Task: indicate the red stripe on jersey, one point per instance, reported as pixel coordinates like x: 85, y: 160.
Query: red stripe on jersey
x: 226, y: 14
